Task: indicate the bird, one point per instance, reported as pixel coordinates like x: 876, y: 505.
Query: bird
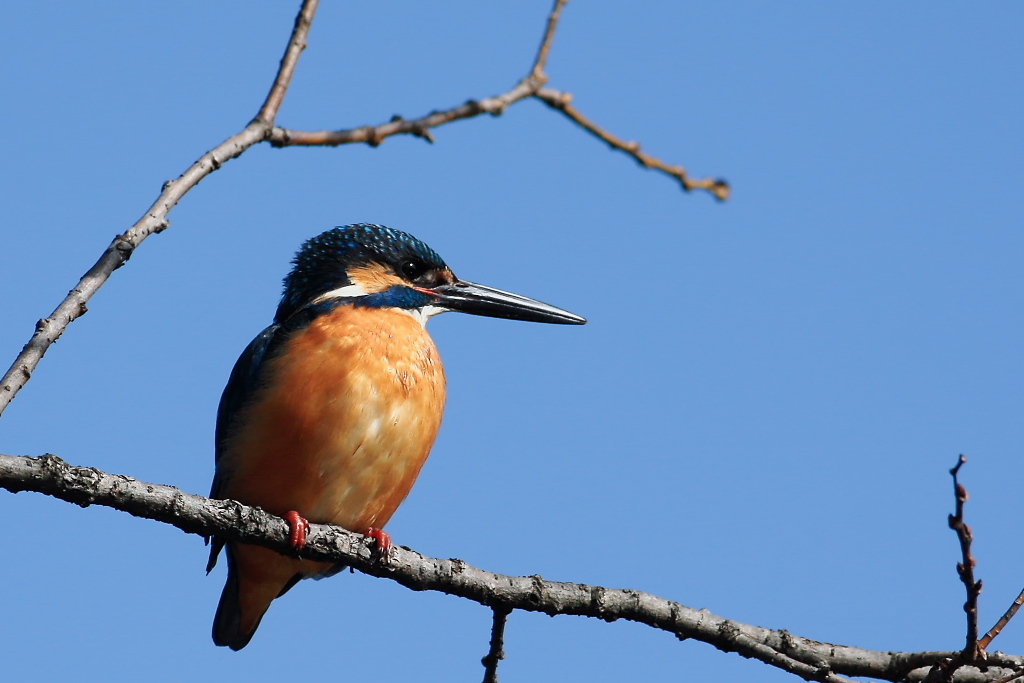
x: 331, y: 411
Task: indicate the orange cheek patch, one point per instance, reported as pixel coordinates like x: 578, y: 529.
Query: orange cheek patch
x: 373, y: 278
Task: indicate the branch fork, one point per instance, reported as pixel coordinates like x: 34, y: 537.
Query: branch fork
x: 530, y: 86
x: 975, y: 652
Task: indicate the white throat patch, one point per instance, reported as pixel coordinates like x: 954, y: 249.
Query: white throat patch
x: 346, y: 292
x: 424, y: 313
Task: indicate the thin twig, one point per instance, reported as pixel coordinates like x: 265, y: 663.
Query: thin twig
x: 420, y: 127
x: 965, y: 568
x: 74, y: 305
x: 290, y: 59
x: 496, y: 653
x: 944, y: 670
x: 1001, y: 624
x: 562, y: 102
x: 374, y: 135
x: 809, y: 659
x: 540, y: 64
x: 532, y: 85
x: 155, y: 220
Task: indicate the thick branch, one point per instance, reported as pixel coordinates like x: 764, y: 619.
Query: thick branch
x: 49, y: 329
x: 808, y: 659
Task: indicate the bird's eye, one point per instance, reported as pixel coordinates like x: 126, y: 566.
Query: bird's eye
x: 412, y: 269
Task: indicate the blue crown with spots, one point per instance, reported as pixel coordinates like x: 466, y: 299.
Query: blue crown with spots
x: 322, y: 263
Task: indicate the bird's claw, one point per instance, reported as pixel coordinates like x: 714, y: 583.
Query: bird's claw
x: 299, y: 529
x: 384, y: 543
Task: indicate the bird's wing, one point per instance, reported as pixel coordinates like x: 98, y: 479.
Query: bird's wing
x: 245, y: 378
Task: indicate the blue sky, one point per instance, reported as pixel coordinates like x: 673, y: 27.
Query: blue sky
x: 758, y: 419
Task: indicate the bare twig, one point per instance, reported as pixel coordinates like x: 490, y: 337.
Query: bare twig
x: 1001, y: 624
x: 49, y: 329
x: 296, y: 44
x: 532, y: 85
x: 496, y: 652
x: 945, y: 669
x: 810, y: 659
x: 562, y: 102
x: 965, y: 568
x: 540, y: 64
x: 374, y: 135
x: 155, y: 220
x: 420, y: 127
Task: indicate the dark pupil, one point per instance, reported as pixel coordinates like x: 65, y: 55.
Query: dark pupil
x: 412, y: 269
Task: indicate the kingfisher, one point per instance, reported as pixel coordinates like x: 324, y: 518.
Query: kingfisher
x: 331, y: 411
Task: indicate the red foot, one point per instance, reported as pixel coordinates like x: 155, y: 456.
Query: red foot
x: 384, y: 543
x: 299, y: 529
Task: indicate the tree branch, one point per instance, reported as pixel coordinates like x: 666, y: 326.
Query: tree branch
x: 541, y: 62
x: 562, y: 101
x: 495, y: 106
x: 1001, y: 624
x: 965, y: 568
x: 496, y: 653
x: 975, y: 650
x: 290, y: 59
x: 374, y: 135
x: 532, y: 85
x: 74, y: 305
x: 261, y: 128
x: 809, y: 659
x: 1011, y: 677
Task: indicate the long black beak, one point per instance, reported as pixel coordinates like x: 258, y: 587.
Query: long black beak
x: 469, y: 297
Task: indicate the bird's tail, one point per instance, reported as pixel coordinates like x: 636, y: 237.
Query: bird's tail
x: 248, y: 592
x: 227, y: 625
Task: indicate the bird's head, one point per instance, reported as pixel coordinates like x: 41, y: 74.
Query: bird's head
x: 377, y: 267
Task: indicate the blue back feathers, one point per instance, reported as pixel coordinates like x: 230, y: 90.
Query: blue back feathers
x: 321, y: 264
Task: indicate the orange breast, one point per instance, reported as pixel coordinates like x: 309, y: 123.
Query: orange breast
x: 348, y: 414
